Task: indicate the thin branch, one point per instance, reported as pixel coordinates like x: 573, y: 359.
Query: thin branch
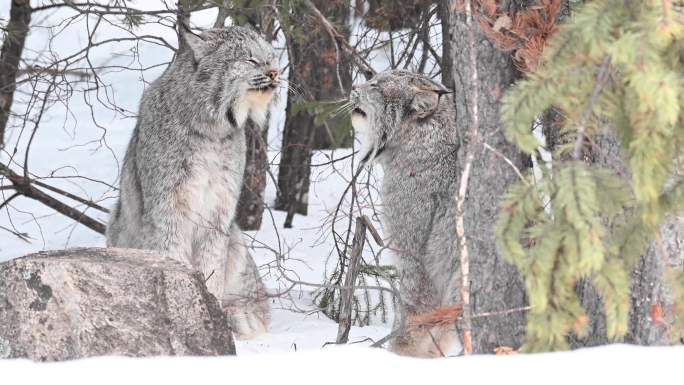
x: 507, y: 160
x: 24, y: 187
x: 364, y: 66
x: 71, y: 196
x: 463, y: 187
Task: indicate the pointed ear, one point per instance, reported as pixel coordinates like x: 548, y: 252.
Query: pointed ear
x: 426, y: 98
x: 189, y: 41
x: 425, y: 102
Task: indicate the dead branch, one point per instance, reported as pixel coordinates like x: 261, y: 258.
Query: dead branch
x: 24, y: 187
x: 347, y: 296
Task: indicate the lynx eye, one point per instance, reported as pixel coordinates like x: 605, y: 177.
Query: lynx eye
x: 253, y: 61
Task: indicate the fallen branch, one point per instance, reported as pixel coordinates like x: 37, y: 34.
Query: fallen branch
x: 24, y: 187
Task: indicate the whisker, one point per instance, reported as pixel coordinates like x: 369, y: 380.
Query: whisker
x: 295, y: 86
x: 343, y: 110
x: 297, y: 93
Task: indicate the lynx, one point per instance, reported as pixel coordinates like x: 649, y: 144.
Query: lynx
x: 406, y: 123
x: 183, y: 168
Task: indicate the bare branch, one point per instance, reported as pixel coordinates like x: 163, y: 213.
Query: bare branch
x: 475, y: 139
x: 365, y: 67
x: 24, y: 187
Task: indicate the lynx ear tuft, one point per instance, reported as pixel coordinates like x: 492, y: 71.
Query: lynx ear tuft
x: 192, y: 42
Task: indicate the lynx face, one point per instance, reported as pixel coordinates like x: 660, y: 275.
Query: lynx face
x: 387, y: 103
x: 240, y: 70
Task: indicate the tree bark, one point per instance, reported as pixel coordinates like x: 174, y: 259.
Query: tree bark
x: 250, y: 209
x: 494, y: 284
x: 445, y: 65
x: 10, y: 55
x: 394, y: 15
x: 321, y: 72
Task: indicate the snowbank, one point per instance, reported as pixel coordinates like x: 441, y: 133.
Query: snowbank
x: 617, y: 364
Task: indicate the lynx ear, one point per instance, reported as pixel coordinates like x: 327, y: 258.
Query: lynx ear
x: 189, y: 41
x: 425, y: 101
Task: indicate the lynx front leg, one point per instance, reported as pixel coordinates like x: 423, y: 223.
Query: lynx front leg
x: 244, y: 296
x: 210, y: 248
x: 419, y: 298
x: 166, y: 228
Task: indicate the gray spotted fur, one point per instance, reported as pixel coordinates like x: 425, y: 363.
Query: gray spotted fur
x: 182, y: 172
x: 409, y: 129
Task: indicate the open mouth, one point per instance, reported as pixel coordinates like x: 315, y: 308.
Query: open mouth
x: 265, y: 88
x: 359, y: 111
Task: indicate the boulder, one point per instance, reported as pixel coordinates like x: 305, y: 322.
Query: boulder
x: 75, y: 303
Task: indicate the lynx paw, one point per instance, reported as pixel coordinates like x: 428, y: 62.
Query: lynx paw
x: 437, y: 343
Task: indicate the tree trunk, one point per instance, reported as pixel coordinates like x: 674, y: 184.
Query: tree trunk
x: 445, y: 65
x: 10, y: 54
x: 494, y: 284
x: 394, y: 15
x: 321, y: 73
x: 250, y: 209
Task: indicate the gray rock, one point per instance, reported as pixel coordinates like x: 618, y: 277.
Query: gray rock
x: 77, y: 303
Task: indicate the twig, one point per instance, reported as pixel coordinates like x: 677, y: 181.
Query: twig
x: 463, y: 187
x: 365, y: 67
x: 386, y: 338
x: 434, y: 341
x: 71, y: 196
x: 24, y: 187
x: 507, y: 160
x: 503, y: 312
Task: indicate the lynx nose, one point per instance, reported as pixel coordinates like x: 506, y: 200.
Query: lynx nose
x: 273, y: 74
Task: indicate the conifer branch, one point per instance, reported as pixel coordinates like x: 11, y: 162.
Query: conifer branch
x: 581, y: 130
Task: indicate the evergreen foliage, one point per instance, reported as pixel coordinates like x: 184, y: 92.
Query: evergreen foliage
x: 617, y: 64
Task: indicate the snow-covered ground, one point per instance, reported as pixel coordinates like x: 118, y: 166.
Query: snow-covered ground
x: 617, y: 364
x: 293, y: 351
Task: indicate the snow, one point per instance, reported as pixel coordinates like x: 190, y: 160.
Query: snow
x: 617, y: 364
x: 293, y: 351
